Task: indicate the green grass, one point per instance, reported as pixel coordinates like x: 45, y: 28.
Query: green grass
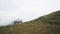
x: 37, y: 26
x: 53, y: 18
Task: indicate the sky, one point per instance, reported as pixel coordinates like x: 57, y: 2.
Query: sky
x: 25, y: 10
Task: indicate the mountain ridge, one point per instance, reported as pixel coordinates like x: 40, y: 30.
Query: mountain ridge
x: 37, y: 26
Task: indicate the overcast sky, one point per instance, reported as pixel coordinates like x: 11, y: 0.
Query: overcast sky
x: 25, y: 9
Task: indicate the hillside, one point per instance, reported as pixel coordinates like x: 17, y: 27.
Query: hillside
x: 53, y: 18
x: 37, y: 26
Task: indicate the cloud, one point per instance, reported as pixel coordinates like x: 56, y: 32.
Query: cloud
x: 25, y: 9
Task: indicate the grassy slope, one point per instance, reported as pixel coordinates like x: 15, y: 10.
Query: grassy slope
x: 33, y: 27
x: 53, y: 18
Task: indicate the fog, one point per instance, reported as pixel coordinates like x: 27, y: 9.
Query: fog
x: 25, y: 10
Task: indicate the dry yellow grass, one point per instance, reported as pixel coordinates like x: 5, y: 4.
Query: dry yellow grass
x: 33, y: 27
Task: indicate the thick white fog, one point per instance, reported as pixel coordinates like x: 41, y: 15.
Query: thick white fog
x: 25, y: 10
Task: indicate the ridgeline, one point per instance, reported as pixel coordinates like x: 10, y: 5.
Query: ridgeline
x: 48, y: 24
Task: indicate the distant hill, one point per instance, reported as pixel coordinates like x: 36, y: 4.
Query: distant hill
x: 38, y: 26
x: 53, y: 18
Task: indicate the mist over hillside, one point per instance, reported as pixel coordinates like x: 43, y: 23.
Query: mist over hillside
x: 25, y: 9
x: 37, y: 26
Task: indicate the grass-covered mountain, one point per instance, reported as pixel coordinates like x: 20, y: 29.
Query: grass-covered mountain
x: 38, y: 26
x: 53, y: 18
